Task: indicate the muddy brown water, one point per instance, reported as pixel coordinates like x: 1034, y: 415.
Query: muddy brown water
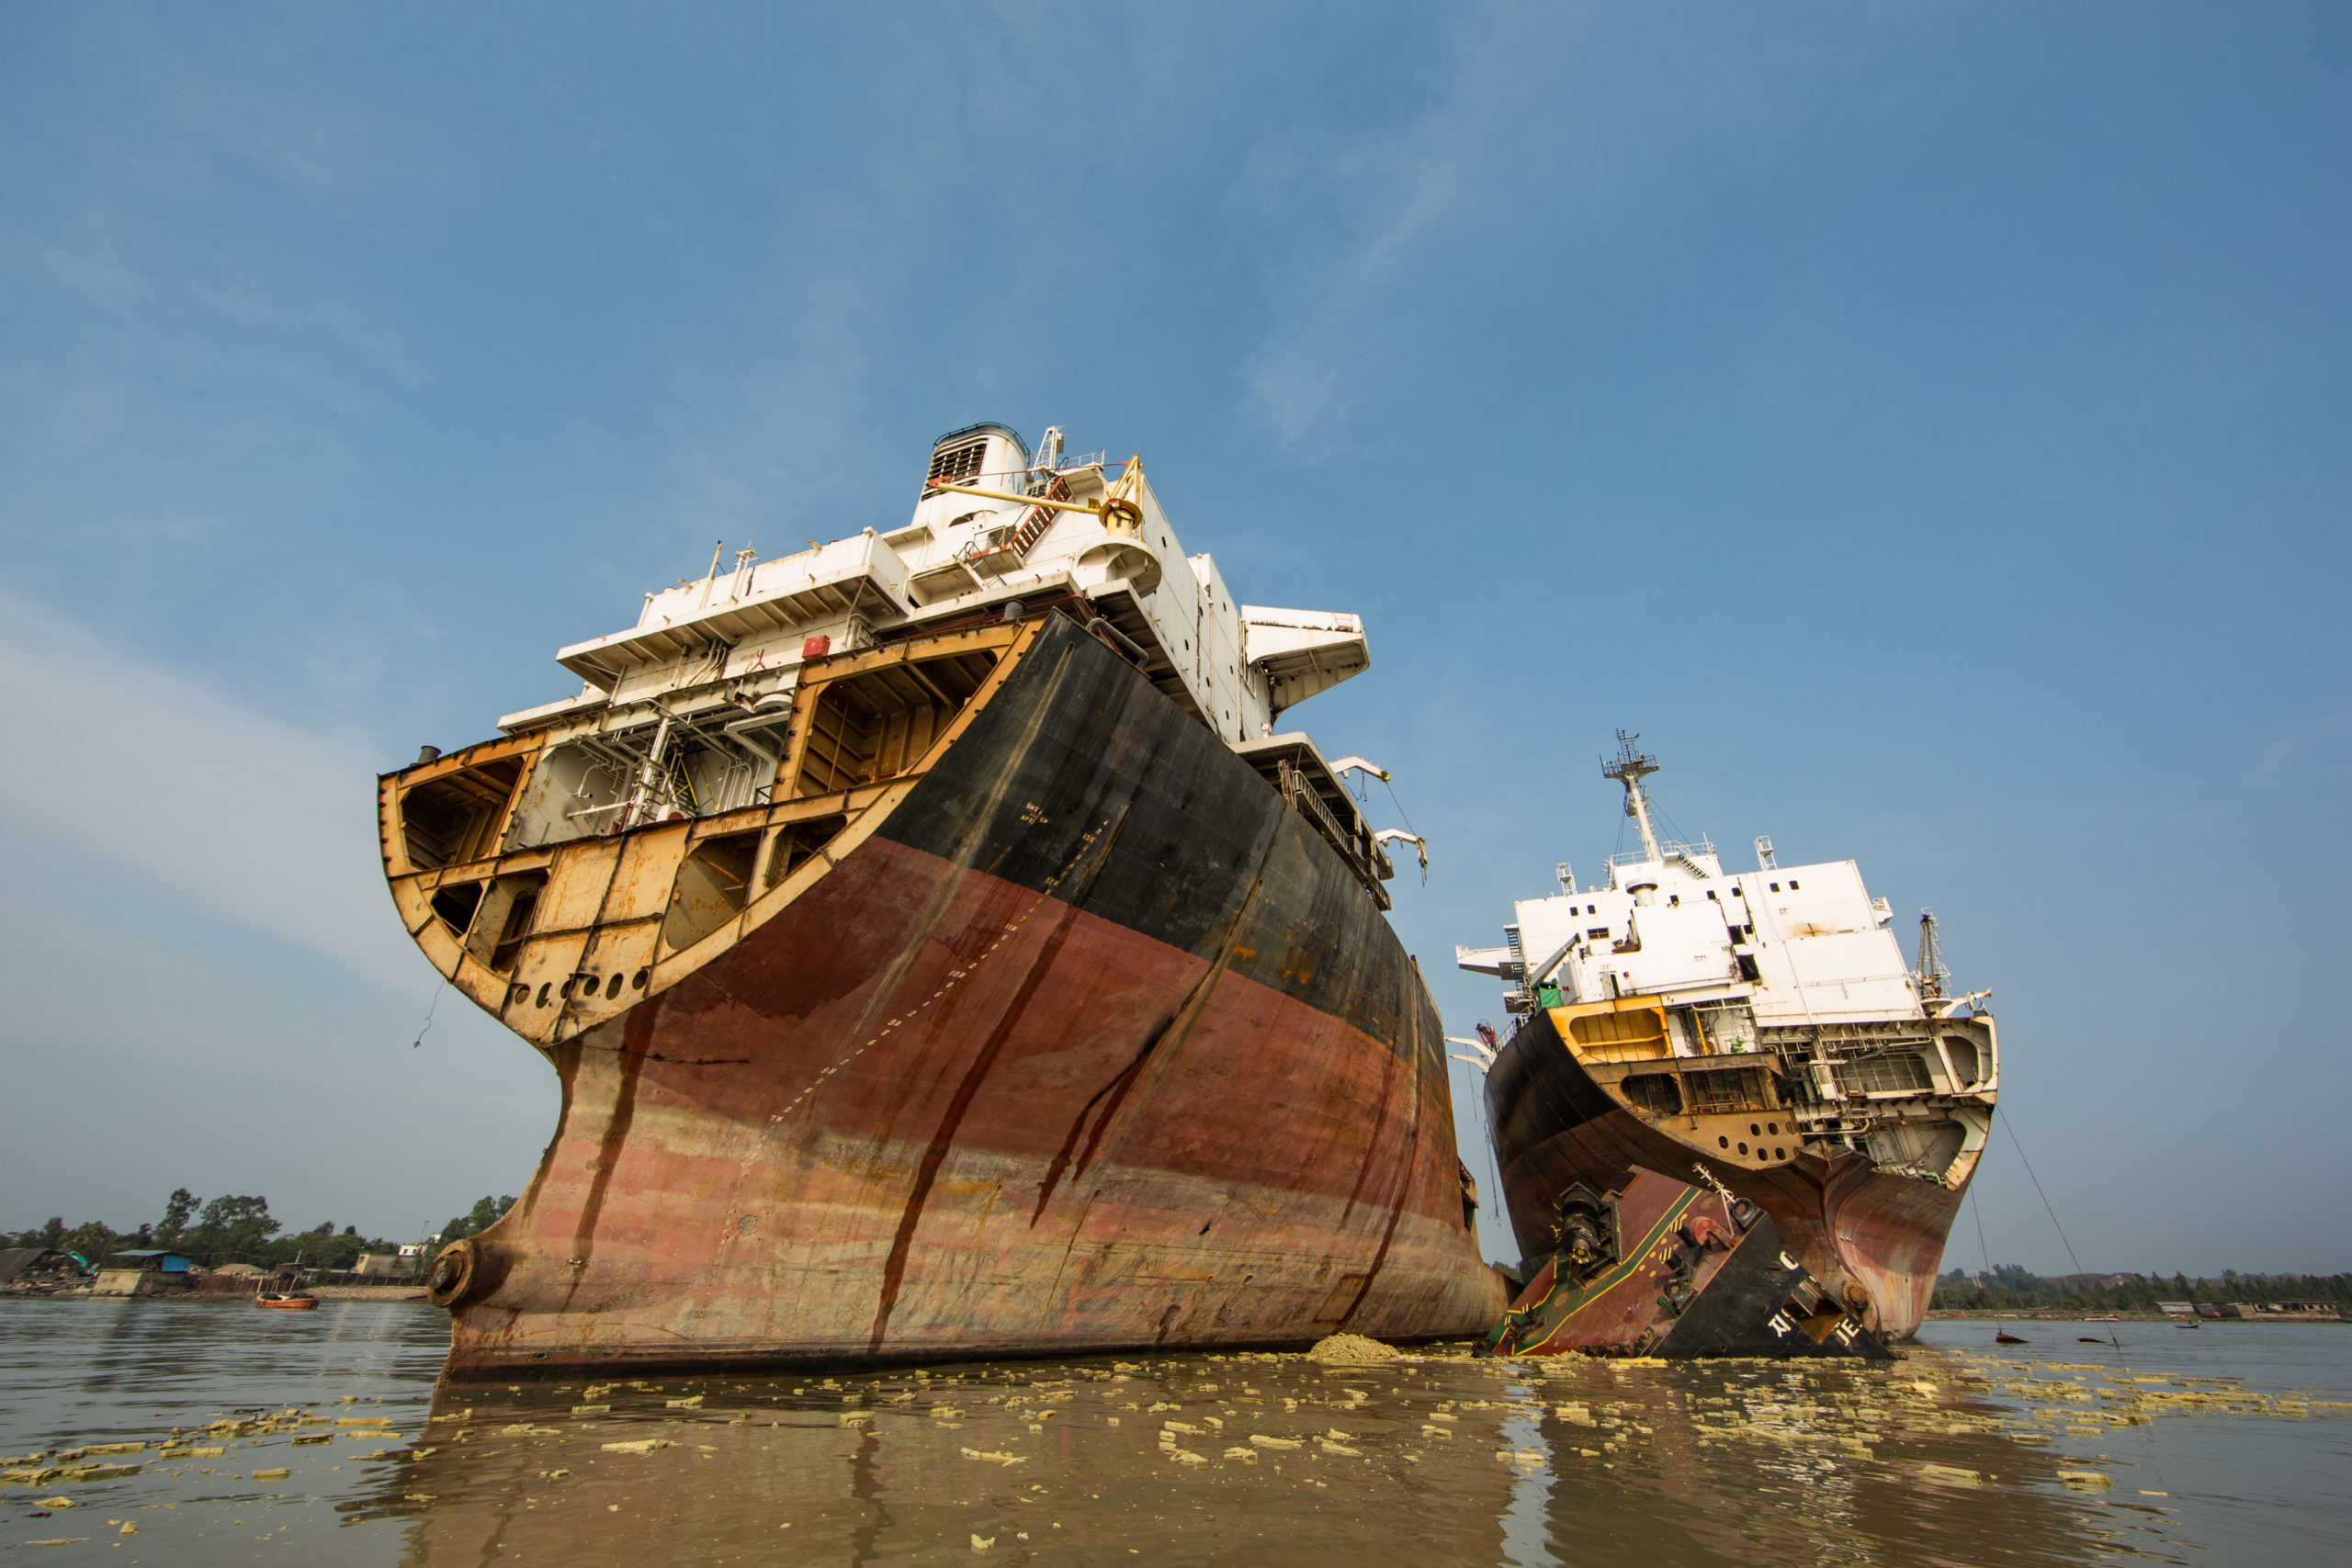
x: 2222, y: 1446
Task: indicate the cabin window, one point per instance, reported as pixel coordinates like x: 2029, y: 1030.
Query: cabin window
x: 1711, y: 892
x: 1793, y: 887
x: 1776, y: 887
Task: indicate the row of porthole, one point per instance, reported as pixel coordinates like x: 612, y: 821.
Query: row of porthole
x: 583, y: 986
x: 1777, y: 1153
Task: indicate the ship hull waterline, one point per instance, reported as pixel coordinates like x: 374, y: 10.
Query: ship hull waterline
x: 1081, y: 1041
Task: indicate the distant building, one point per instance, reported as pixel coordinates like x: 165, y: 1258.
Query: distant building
x: 40, y: 1268
x: 386, y: 1265
x: 2177, y: 1309
x: 143, y: 1273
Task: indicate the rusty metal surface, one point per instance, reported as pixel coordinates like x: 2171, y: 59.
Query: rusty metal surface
x: 1873, y: 1238
x: 1691, y: 1274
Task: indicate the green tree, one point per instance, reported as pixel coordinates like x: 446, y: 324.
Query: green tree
x: 93, y: 1241
x: 176, y: 1210
x: 486, y: 1213
x: 231, y: 1230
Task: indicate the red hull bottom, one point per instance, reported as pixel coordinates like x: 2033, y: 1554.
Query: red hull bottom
x: 1024, y: 1131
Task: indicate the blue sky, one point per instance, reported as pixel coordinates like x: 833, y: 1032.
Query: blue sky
x: 1926, y: 425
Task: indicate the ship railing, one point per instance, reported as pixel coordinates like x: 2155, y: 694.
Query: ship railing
x: 1303, y: 797
x: 1667, y: 849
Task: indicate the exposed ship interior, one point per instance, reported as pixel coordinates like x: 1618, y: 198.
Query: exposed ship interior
x: 759, y: 710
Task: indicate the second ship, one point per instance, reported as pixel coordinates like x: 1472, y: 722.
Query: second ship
x: 1755, y: 1038
x: 943, y: 956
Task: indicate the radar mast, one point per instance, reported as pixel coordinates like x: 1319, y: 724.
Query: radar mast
x: 1932, y: 975
x: 1629, y: 769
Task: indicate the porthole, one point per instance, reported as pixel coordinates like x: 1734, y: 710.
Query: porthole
x: 1779, y: 1154
x: 1725, y: 1142
x: 1773, y: 1128
x: 1743, y: 1148
x: 613, y: 987
x: 637, y: 981
x: 1754, y: 1131
x: 543, y: 995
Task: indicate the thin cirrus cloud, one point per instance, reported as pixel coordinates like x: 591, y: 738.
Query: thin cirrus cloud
x: 236, y: 817
x: 1533, y: 117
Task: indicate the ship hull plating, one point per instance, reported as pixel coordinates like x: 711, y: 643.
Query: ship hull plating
x: 1084, y: 1041
x: 1873, y: 1238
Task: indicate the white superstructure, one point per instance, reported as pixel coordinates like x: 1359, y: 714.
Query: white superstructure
x: 1792, y: 967
x: 681, y: 714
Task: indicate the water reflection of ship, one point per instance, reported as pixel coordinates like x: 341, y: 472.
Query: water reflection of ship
x: 1605, y: 1463
x: 941, y: 957
x: 1758, y: 1029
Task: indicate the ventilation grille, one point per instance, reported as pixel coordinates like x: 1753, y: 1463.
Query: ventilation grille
x: 957, y: 463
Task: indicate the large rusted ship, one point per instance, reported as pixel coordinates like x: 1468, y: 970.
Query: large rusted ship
x: 943, y: 956
x: 1753, y: 1034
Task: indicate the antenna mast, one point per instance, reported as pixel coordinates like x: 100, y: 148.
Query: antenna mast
x: 1629, y: 769
x: 1932, y: 976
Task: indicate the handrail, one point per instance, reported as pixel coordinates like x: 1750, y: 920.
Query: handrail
x: 1301, y: 793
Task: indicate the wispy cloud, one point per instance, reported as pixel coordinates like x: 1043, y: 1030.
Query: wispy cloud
x: 1534, y: 115
x: 177, y: 789
x: 2318, y: 732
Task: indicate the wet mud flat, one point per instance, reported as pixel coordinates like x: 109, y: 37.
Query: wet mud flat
x: 1955, y: 1454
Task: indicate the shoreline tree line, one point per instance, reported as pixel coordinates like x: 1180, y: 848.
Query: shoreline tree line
x: 235, y: 1229
x: 2008, y: 1286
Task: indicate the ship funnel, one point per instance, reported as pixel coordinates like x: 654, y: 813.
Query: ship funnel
x: 992, y: 456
